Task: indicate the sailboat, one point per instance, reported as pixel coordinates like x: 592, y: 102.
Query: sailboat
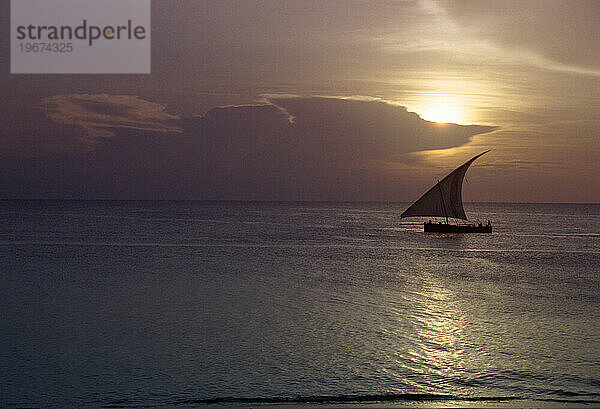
x: 444, y: 199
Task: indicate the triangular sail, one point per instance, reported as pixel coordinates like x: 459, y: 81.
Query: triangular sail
x: 445, y: 198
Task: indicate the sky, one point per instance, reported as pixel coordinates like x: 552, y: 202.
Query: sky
x: 321, y: 100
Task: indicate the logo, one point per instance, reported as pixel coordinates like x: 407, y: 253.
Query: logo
x: 80, y: 36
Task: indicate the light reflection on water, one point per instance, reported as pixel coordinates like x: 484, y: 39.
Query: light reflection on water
x: 434, y: 341
x: 150, y: 303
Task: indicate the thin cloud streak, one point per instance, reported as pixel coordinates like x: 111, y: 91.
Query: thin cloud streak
x: 99, y: 114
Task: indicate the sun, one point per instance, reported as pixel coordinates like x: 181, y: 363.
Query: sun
x: 443, y: 109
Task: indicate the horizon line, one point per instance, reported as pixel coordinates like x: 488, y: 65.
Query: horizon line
x: 268, y: 201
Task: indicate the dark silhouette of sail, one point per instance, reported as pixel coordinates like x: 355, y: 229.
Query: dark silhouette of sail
x: 445, y: 198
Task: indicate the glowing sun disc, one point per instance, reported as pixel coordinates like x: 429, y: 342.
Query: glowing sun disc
x: 442, y: 110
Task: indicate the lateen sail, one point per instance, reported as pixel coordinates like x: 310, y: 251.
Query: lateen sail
x: 445, y: 198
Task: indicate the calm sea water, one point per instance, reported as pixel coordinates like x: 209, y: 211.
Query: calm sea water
x: 187, y: 304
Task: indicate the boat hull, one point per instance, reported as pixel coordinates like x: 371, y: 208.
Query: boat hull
x: 456, y: 228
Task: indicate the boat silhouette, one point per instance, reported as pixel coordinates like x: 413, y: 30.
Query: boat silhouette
x: 444, y: 199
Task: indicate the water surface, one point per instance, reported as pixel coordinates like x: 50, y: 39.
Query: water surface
x: 186, y: 304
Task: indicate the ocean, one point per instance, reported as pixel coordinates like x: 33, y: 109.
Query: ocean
x: 184, y: 304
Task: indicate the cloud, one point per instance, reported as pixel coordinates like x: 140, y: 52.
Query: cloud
x: 100, y: 114
x: 362, y: 133
x: 557, y: 34
x: 334, y: 149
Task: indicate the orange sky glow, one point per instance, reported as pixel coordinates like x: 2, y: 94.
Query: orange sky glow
x: 372, y: 88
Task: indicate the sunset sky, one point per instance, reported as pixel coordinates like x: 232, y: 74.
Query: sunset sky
x: 321, y: 100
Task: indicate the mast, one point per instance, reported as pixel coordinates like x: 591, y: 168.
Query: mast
x: 443, y: 204
x: 444, y: 199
